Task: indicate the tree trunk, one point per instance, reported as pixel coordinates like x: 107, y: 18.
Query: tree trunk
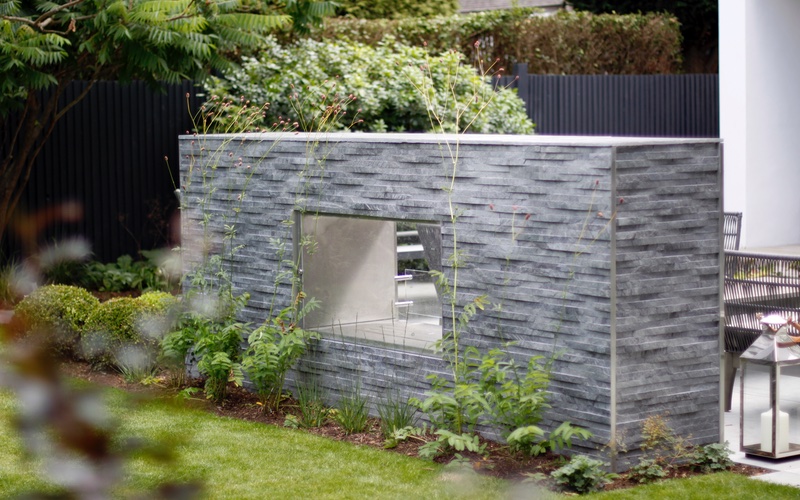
x: 30, y: 130
x: 17, y: 165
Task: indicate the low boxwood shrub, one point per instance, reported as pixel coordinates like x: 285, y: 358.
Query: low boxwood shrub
x: 112, y: 325
x: 60, y: 311
x: 117, y: 317
x: 158, y: 316
x: 133, y: 323
x: 157, y: 302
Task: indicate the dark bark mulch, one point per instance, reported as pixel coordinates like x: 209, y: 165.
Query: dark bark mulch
x: 499, y: 461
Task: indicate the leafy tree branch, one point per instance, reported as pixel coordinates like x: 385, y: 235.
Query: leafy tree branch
x: 45, y: 45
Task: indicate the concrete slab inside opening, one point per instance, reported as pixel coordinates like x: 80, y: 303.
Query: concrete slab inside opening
x: 350, y: 265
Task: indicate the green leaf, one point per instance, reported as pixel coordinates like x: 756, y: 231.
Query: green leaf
x: 9, y: 7
x: 258, y: 23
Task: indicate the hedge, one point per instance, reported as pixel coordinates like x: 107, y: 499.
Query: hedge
x: 395, y: 9
x: 60, y: 312
x: 569, y: 43
x: 140, y: 322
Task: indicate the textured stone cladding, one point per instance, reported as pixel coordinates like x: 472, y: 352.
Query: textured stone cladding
x: 604, y: 251
x: 667, y: 274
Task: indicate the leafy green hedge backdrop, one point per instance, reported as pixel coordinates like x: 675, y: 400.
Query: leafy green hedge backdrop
x: 300, y: 80
x: 567, y: 43
x: 395, y: 9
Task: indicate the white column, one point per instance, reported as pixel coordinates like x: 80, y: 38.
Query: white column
x: 759, y: 106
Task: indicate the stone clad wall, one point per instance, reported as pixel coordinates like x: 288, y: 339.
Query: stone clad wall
x: 667, y: 268
x: 603, y: 250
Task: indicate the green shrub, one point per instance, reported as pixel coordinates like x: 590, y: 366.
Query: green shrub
x: 395, y: 9
x: 157, y: 302
x: 118, y: 318
x: 300, y: 82
x: 531, y: 439
x: 218, y: 353
x: 61, y: 311
x: 713, y: 457
x: 647, y: 470
x: 126, y: 274
x: 272, y: 351
x: 158, y: 316
x: 569, y: 43
x: 112, y: 325
x: 214, y: 338
x: 583, y: 474
x: 447, y: 440
x: 138, y: 324
x: 175, y: 347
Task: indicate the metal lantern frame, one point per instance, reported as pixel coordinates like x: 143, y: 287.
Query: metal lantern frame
x: 778, y: 353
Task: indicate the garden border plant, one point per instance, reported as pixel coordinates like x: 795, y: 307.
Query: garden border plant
x: 59, y: 312
x: 488, y: 387
x: 591, y: 322
x: 663, y: 451
x: 208, y: 328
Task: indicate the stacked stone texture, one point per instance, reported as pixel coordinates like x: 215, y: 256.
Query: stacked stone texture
x: 604, y: 251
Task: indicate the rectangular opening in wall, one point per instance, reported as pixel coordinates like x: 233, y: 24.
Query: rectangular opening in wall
x: 371, y: 278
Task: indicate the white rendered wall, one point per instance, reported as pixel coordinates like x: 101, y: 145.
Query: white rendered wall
x: 732, y: 109
x: 760, y: 117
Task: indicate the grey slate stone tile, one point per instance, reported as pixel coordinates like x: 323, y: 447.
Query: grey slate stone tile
x: 657, y: 258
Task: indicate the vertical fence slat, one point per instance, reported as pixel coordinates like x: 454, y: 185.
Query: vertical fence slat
x: 108, y: 151
x: 646, y: 105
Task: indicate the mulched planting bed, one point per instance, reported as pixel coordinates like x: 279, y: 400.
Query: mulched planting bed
x: 499, y: 461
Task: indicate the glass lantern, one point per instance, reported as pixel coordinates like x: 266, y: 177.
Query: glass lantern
x: 770, y: 391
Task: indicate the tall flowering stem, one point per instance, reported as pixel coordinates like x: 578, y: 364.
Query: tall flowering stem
x: 449, y: 112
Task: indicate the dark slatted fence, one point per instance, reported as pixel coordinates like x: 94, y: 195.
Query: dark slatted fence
x: 620, y: 105
x: 107, y: 154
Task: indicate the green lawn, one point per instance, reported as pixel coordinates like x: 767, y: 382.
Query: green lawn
x: 723, y: 485
x: 239, y: 460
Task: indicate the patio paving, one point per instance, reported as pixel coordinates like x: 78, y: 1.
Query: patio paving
x: 789, y: 250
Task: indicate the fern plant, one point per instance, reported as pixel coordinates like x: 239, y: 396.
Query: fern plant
x: 218, y: 352
x: 274, y: 348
